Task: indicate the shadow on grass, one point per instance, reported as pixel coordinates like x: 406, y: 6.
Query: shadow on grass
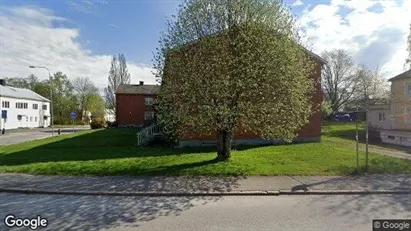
x: 92, y: 145
x: 166, y: 170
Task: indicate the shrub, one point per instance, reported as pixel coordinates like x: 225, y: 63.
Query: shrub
x: 111, y: 124
x: 97, y: 123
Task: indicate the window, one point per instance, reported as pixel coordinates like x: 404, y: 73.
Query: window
x: 21, y: 105
x: 407, y: 115
x: 27, y: 119
x: 19, y: 117
x: 35, y: 106
x: 381, y: 116
x: 391, y: 137
x: 407, y: 89
x: 44, y: 107
x: 31, y: 118
x: 35, y: 119
x: 5, y: 104
x: 148, y: 101
x: 148, y: 115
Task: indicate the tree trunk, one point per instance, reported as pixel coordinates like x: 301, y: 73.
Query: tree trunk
x: 224, y: 145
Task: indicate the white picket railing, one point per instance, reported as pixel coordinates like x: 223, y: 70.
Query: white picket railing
x: 147, y: 134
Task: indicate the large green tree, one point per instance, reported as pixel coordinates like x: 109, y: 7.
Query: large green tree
x: 64, y: 101
x: 234, y: 64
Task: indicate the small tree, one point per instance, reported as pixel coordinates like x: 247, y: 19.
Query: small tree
x: 85, y: 89
x: 118, y: 75
x: 234, y: 64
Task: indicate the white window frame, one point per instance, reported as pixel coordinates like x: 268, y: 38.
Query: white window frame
x: 148, y: 100
x: 44, y: 105
x: 381, y: 116
x: 35, y: 106
x: 146, y: 117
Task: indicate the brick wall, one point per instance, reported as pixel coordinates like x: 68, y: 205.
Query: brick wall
x: 311, y: 130
x: 131, y: 108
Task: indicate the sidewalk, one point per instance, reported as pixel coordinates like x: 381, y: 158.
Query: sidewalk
x: 219, y: 186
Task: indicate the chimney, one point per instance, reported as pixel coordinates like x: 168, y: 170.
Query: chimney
x: 3, y: 82
x: 141, y: 83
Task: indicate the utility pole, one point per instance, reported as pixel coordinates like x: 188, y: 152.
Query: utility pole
x: 366, y: 134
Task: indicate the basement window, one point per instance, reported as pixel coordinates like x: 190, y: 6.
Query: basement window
x: 391, y: 137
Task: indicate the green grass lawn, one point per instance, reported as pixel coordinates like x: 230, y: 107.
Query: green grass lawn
x: 113, y: 152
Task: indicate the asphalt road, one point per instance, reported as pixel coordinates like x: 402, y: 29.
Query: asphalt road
x: 19, y: 136
x: 349, y: 212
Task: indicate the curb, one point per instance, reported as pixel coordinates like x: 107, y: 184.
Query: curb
x: 182, y: 194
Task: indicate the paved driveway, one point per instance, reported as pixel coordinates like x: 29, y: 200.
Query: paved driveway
x: 19, y: 136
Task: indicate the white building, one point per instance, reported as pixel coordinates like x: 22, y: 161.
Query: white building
x: 110, y: 115
x: 24, y: 108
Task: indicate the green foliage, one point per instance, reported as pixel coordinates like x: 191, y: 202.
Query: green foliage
x: 96, y: 105
x: 85, y: 91
x: 326, y: 109
x: 27, y: 83
x: 225, y: 64
x: 168, y: 122
x: 98, y: 123
x: 64, y: 100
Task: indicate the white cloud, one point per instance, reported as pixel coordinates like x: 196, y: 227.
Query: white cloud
x: 298, y: 3
x: 27, y: 37
x: 113, y: 25
x: 85, y: 6
x: 375, y: 38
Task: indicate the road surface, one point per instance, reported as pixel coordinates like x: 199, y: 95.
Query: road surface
x: 19, y: 136
x: 337, y: 212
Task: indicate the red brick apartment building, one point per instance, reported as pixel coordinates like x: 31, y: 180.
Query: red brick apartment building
x: 134, y: 104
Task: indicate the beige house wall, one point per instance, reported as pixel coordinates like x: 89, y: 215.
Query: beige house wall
x: 401, y: 104
x: 380, y: 116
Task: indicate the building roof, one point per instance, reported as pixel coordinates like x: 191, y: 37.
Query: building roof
x: 21, y: 93
x: 404, y: 75
x: 309, y: 52
x: 138, y: 89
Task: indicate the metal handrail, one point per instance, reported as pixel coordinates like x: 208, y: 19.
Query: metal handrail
x: 147, y: 134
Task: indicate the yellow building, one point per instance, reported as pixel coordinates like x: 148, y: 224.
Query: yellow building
x: 400, y: 111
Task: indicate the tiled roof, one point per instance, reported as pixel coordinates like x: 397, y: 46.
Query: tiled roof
x: 138, y: 89
x: 404, y: 75
x: 21, y: 93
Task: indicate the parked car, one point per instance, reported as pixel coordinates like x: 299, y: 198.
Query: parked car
x: 342, y: 117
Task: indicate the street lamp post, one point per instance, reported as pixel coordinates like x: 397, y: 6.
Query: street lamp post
x: 51, y: 99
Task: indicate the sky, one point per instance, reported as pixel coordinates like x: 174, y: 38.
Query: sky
x: 79, y: 37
